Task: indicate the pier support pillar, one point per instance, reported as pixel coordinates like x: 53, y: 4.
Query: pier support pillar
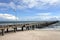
x: 27, y: 28
x: 14, y: 29
x: 22, y: 28
x: 7, y: 29
x: 33, y: 27
x: 2, y: 32
x: 30, y: 28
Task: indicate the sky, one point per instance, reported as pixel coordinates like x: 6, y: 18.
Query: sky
x: 29, y: 10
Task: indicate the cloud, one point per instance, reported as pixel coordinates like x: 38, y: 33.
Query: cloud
x: 43, y: 14
x: 41, y: 17
x: 42, y: 4
x: 8, y: 17
x: 3, y: 4
x: 12, y: 5
x: 24, y: 4
x: 48, y: 16
x: 6, y: 6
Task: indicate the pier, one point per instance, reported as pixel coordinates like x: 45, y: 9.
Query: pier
x: 27, y: 26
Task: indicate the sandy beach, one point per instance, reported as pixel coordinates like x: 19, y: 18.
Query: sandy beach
x: 32, y: 35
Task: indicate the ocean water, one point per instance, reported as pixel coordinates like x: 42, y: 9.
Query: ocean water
x: 16, y: 22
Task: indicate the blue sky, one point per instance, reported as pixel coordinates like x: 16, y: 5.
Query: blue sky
x: 29, y: 10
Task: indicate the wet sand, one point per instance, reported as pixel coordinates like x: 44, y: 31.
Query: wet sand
x: 32, y: 35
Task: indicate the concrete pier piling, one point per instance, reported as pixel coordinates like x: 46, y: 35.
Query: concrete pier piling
x: 14, y: 29
x: 22, y: 28
x: 7, y: 30
x: 2, y: 32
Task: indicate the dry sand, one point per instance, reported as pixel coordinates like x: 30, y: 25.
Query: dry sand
x: 32, y: 35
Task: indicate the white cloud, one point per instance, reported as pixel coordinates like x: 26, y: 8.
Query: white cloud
x: 8, y: 17
x: 40, y: 3
x: 54, y: 2
x: 30, y: 3
x: 6, y: 6
x: 43, y: 14
x: 3, y: 4
x: 23, y: 4
x: 41, y: 17
x: 12, y: 5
